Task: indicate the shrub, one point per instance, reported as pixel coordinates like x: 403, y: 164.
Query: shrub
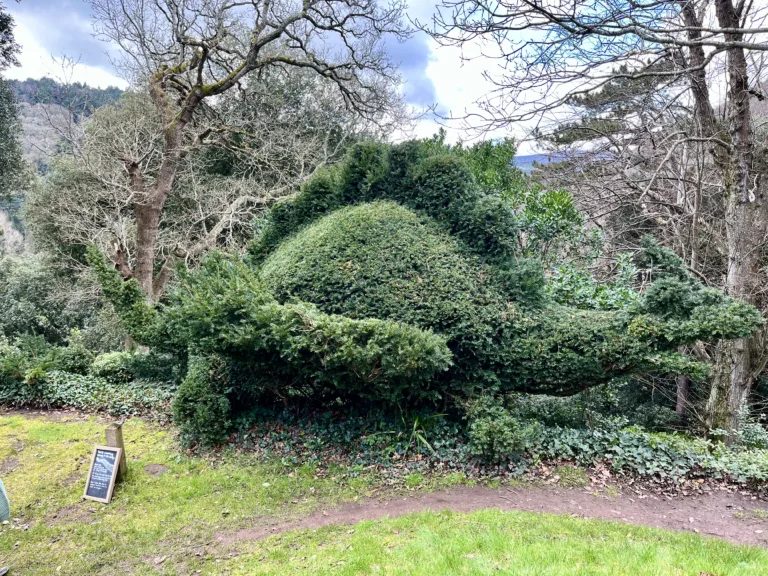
x: 380, y: 260
x: 495, y: 434
x: 201, y: 407
x: 751, y: 432
x: 39, y: 298
x: 59, y: 389
x: 498, y: 436
x: 396, y: 279
x: 112, y: 366
x: 156, y: 366
x: 74, y: 357
x: 296, y: 345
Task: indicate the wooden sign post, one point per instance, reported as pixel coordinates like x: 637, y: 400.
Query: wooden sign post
x: 115, y: 440
x: 102, y: 474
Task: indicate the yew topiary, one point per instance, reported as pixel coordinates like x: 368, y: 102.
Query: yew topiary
x: 396, y: 279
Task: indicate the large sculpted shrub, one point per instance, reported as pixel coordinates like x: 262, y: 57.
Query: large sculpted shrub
x: 397, y: 279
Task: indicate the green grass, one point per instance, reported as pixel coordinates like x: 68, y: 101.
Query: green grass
x: 176, y: 517
x: 571, y: 477
x: 756, y: 514
x: 495, y: 542
x: 150, y: 516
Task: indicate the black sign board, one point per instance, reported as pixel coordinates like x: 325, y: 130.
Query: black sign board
x: 102, y: 474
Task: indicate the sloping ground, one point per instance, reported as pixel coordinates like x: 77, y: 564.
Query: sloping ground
x: 180, y: 514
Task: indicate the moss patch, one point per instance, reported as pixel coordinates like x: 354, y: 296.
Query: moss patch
x: 571, y: 477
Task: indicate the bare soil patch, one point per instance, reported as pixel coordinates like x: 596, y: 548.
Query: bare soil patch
x: 54, y: 415
x: 709, y: 514
x: 71, y: 514
x: 9, y: 465
x: 156, y: 469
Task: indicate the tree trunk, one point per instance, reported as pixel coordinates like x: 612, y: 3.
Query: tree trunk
x: 683, y: 393
x: 745, y: 223
x: 730, y: 386
x: 147, y: 228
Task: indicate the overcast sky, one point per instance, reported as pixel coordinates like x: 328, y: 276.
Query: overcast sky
x: 51, y: 28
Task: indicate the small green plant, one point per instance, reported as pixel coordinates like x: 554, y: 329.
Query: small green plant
x: 418, y: 435
x: 752, y: 432
x: 414, y: 480
x: 494, y: 433
x: 571, y: 477
x: 111, y: 365
x: 75, y: 356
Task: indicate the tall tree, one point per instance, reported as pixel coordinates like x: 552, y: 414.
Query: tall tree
x: 9, y: 48
x: 553, y: 52
x: 10, y: 150
x: 288, y: 124
x: 189, y: 53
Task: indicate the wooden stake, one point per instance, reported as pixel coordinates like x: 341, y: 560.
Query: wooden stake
x: 115, y: 440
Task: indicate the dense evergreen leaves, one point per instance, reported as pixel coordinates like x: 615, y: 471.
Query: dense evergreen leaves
x: 11, y: 165
x: 397, y: 279
x: 9, y: 48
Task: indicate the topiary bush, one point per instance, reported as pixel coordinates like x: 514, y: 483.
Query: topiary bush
x: 201, y: 406
x: 395, y: 278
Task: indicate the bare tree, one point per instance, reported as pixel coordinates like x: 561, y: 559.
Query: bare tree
x: 552, y: 52
x: 288, y: 126
x: 190, y: 53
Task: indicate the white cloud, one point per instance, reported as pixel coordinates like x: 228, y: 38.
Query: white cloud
x: 37, y: 62
x: 460, y: 84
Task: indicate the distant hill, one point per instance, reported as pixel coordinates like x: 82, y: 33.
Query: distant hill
x: 44, y: 108
x: 525, y: 163
x: 81, y: 99
x: 45, y: 105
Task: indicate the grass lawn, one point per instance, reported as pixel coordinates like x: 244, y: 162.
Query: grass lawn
x: 166, y: 524
x: 149, y: 516
x: 496, y: 542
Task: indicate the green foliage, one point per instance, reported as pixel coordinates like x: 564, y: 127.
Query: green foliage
x: 549, y: 218
x: 64, y: 389
x: 126, y: 366
x: 129, y: 301
x: 621, y: 400
x: 75, y: 357
x: 431, y: 179
x: 380, y: 260
x: 398, y: 279
x: 572, y: 286
x: 11, y: 164
x: 201, y: 407
x: 9, y: 48
x: 499, y: 436
x: 112, y: 366
x: 494, y: 433
x: 31, y: 378
x: 35, y: 373
x: 223, y: 307
x: 491, y: 162
x: 39, y: 298
x: 751, y: 432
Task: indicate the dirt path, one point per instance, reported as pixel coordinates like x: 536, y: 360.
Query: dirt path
x: 727, y: 515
